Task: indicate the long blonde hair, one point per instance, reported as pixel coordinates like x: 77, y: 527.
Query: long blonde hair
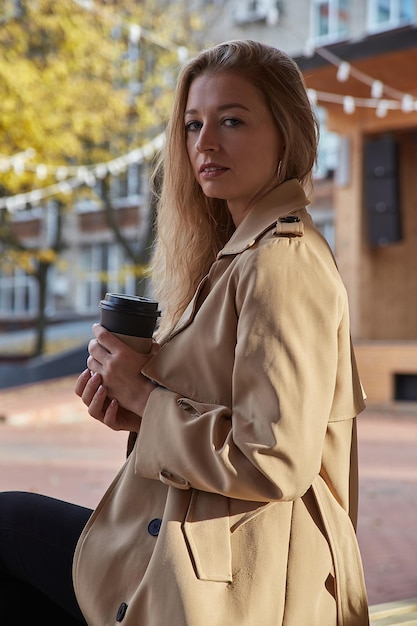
x: 191, y: 228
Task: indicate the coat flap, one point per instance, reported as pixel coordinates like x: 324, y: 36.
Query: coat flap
x: 207, y: 532
x: 350, y: 583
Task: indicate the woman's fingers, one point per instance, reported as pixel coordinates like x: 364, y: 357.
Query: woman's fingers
x: 81, y: 382
x: 98, y: 404
x: 90, y: 389
x: 94, y: 395
x: 110, y: 417
x: 105, y: 340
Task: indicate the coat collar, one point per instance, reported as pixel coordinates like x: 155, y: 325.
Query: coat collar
x: 284, y: 199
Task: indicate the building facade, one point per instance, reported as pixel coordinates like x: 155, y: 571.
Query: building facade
x: 359, y: 60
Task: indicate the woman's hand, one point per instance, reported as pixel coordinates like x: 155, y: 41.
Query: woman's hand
x: 92, y: 392
x: 113, y: 387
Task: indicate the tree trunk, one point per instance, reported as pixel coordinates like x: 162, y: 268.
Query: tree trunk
x: 41, y: 321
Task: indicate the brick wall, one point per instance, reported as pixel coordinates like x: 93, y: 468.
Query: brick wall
x: 379, y: 362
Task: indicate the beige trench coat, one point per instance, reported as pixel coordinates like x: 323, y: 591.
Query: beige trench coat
x: 236, y: 505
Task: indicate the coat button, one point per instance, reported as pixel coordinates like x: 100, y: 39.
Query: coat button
x: 121, y: 612
x: 154, y: 527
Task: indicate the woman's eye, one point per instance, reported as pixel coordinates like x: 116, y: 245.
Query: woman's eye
x: 232, y: 121
x: 193, y: 125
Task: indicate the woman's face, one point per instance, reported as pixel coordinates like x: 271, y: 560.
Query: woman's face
x: 233, y: 143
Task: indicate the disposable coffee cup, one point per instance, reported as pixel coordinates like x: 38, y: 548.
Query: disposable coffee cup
x: 131, y: 318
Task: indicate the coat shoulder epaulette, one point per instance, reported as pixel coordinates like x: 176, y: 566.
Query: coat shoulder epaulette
x: 289, y: 226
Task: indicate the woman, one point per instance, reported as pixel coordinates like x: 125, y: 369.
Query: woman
x: 238, y: 501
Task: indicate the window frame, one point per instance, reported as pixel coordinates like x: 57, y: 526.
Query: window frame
x: 102, y: 267
x: 395, y: 8
x: 19, y: 294
x: 335, y: 33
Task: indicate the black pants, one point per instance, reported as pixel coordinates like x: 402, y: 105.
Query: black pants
x: 38, y: 535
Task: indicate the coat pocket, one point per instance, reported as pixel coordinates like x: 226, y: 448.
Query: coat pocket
x: 206, y: 530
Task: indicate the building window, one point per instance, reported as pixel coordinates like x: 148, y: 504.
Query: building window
x: 330, y: 20
x: 128, y: 183
x: 103, y: 268
x: 328, y: 153
x: 387, y: 14
x: 247, y: 11
x: 18, y: 294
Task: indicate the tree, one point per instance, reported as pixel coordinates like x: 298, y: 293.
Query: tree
x: 80, y: 84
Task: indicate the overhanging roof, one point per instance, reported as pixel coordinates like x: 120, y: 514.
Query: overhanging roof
x: 390, y: 57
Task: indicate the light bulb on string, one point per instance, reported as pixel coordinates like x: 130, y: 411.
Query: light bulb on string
x: 134, y: 156
x: 382, y: 108
x: 16, y: 202
x: 81, y: 172
x: 61, y: 173
x: 148, y: 151
x: 349, y: 105
x: 90, y: 179
x: 182, y: 54
x: 35, y: 196
x: 377, y: 89
x: 65, y: 187
x: 41, y: 171
x: 312, y: 96
x: 18, y: 165
x: 101, y: 171
x: 309, y: 49
x: 135, y: 33
x: 407, y: 103
x: 343, y: 72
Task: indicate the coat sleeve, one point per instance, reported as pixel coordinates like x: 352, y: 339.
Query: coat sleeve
x: 292, y: 330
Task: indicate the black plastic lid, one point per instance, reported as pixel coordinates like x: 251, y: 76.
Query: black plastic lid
x: 129, y: 304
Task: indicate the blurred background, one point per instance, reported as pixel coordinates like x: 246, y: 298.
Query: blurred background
x: 85, y: 89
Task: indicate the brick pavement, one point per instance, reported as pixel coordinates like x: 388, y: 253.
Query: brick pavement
x: 49, y: 444
x: 387, y: 529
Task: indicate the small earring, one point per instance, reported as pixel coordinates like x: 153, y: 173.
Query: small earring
x: 279, y: 169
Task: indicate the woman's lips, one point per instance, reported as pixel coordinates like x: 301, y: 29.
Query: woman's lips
x: 212, y: 170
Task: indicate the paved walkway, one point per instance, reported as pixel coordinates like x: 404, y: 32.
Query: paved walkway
x: 49, y: 444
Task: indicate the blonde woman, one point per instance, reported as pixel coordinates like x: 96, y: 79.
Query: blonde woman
x: 237, y: 504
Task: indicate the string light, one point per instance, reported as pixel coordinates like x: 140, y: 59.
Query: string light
x: 382, y: 108
x: 408, y: 103
x: 349, y: 105
x: 380, y: 105
x: 312, y: 94
x: 71, y: 177
x: 16, y: 161
x: 397, y: 99
x: 377, y: 89
x: 134, y: 33
x: 82, y: 175
x: 137, y: 32
x: 343, y: 71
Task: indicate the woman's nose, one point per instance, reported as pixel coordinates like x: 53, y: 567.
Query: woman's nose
x: 207, y: 140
